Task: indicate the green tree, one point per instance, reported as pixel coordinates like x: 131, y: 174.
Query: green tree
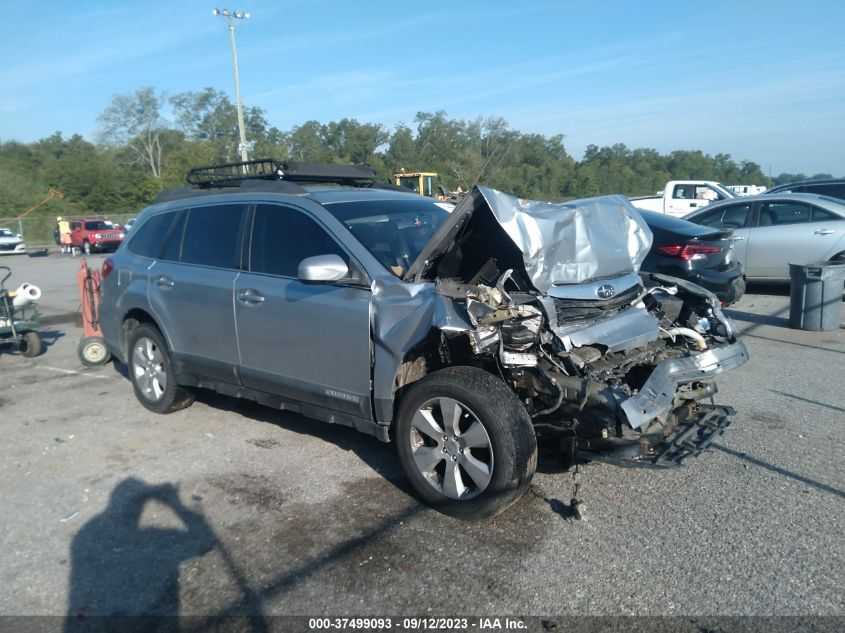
x: 135, y: 121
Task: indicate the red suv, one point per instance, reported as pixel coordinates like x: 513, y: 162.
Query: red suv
x: 95, y: 234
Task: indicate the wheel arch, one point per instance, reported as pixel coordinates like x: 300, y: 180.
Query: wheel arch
x: 132, y: 319
x: 434, y: 352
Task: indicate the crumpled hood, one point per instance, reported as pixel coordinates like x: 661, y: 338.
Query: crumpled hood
x: 560, y: 242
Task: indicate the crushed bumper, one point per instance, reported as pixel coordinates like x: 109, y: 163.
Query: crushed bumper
x: 657, y: 395
x: 690, y: 438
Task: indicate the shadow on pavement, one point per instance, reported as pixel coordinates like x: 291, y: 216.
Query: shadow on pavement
x: 781, y: 471
x: 774, y: 319
x: 120, y: 569
x: 816, y: 402
x: 781, y: 288
x: 778, y: 340
x: 49, y: 337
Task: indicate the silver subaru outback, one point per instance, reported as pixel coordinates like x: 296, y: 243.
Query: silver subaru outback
x: 466, y: 335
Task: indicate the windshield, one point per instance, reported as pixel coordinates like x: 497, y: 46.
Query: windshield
x: 99, y: 225
x: 6, y: 233
x: 727, y: 193
x: 393, y: 231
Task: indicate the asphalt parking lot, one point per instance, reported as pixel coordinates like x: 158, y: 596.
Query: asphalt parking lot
x: 228, y: 508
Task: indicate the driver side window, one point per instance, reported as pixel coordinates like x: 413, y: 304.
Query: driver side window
x: 282, y: 237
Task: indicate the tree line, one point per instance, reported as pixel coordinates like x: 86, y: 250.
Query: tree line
x: 147, y: 142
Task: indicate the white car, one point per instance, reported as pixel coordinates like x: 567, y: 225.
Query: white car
x: 11, y: 243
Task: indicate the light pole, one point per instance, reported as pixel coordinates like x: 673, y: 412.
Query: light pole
x: 230, y: 16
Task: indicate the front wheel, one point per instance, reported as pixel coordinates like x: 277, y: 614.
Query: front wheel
x: 151, y: 372
x: 465, y: 442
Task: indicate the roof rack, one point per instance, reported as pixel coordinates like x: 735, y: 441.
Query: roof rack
x: 232, y: 174
x: 267, y: 174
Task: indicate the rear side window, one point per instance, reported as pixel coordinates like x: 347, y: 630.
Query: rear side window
x: 833, y: 190
x: 212, y: 236
x: 283, y: 237
x: 149, y: 239
x: 778, y: 213
x: 823, y: 215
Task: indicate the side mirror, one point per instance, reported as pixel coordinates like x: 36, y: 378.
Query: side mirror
x: 322, y: 268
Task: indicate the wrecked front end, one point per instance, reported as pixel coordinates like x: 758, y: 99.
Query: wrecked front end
x: 549, y: 297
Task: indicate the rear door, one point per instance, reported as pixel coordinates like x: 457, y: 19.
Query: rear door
x: 192, y: 288
x: 308, y: 342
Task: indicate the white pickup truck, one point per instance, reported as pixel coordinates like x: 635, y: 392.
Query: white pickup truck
x: 680, y: 197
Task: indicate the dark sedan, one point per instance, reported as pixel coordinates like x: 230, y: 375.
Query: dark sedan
x: 700, y: 254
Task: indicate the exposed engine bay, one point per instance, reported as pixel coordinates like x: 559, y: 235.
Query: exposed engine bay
x: 549, y: 297
x: 617, y: 378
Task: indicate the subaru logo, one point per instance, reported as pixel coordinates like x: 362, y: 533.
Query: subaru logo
x: 605, y: 292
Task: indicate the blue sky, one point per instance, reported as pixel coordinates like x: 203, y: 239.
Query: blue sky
x: 762, y: 81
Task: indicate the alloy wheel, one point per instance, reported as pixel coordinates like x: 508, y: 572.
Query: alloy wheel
x: 148, y: 368
x: 451, y: 448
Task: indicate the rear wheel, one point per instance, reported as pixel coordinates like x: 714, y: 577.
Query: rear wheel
x: 736, y: 291
x: 465, y: 442
x: 30, y: 345
x: 151, y: 372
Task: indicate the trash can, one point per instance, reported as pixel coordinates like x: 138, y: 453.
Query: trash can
x: 815, y: 298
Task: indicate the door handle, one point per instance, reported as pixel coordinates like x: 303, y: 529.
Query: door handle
x: 250, y: 296
x: 692, y: 205
x: 739, y: 238
x: 824, y: 232
x: 164, y: 282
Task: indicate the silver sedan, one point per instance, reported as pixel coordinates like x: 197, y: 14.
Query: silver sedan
x: 774, y: 230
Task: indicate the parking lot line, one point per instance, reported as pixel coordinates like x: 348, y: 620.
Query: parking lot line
x: 75, y: 372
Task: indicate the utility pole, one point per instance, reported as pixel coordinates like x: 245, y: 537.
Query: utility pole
x: 230, y: 16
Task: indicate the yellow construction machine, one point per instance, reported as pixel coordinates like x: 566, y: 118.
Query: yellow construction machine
x: 425, y: 183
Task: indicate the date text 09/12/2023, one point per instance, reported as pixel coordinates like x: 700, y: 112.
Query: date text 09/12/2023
x: 416, y: 624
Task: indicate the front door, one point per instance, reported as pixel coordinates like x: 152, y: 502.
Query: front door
x: 309, y: 342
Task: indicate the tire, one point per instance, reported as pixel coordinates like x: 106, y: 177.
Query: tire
x: 86, y: 246
x: 493, y: 432
x: 736, y: 292
x: 92, y: 351
x: 30, y: 345
x: 151, y: 372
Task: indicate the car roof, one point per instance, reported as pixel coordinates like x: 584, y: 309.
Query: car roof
x: 826, y: 202
x: 804, y: 183
x: 332, y: 195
